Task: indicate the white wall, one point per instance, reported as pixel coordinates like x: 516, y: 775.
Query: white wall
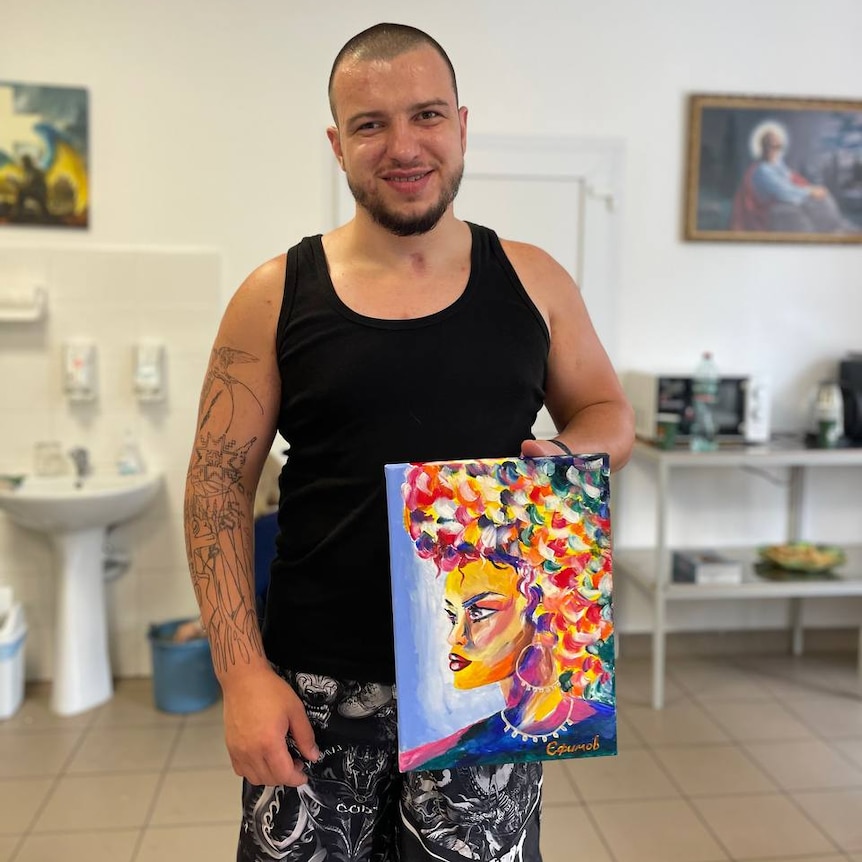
x: 207, y: 130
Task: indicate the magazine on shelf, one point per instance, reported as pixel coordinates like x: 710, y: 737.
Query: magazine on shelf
x: 693, y: 566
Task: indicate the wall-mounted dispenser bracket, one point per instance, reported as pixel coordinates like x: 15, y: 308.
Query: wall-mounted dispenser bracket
x: 80, y: 370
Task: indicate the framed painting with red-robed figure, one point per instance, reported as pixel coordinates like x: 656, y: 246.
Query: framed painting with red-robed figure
x: 767, y: 169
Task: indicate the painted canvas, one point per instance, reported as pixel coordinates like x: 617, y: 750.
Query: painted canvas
x: 502, y: 602
x: 44, y: 173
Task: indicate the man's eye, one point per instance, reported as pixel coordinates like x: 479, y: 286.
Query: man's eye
x: 428, y: 115
x: 476, y: 613
x: 452, y: 618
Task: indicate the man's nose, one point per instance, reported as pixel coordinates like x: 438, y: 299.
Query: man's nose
x: 403, y: 142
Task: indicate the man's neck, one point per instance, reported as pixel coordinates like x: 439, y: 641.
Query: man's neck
x: 368, y: 240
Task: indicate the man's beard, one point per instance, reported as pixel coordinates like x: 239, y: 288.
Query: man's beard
x: 403, y: 225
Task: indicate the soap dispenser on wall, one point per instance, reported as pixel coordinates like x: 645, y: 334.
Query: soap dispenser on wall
x: 149, y: 372
x: 80, y: 370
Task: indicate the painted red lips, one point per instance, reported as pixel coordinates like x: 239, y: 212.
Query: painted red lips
x: 458, y: 662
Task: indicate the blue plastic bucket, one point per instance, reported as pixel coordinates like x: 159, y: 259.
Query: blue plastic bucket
x: 183, y: 675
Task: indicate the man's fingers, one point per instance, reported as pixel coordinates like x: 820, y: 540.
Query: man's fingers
x: 273, y: 769
x: 303, y: 736
x: 538, y: 448
x: 287, y: 772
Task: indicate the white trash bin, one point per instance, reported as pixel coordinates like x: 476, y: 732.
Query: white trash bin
x: 13, y: 631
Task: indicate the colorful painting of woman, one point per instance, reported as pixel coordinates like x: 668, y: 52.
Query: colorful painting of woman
x: 523, y: 549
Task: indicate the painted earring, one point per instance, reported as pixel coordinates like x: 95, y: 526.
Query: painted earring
x: 534, y: 666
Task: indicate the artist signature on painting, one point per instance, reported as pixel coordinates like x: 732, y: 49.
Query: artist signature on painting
x: 560, y: 749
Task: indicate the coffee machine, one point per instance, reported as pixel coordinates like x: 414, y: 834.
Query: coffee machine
x: 850, y: 380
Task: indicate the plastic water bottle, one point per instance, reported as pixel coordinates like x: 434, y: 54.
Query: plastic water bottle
x: 704, y: 398
x: 129, y: 459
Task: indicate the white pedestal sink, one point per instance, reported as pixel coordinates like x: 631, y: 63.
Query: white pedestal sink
x: 76, y: 515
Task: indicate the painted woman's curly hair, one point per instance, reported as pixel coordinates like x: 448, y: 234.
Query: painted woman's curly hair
x: 549, y: 519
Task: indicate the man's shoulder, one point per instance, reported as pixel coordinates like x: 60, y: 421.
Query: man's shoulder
x: 533, y: 263
x: 264, y: 283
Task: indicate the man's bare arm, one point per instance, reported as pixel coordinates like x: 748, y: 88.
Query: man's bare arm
x: 583, y: 393
x: 236, y: 424
x: 218, y: 513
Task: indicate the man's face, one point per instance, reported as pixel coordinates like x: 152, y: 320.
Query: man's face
x: 400, y: 138
x: 772, y: 146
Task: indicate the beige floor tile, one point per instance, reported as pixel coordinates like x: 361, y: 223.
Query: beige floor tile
x: 198, y: 796
x: 683, y: 723
x: 807, y: 675
x: 633, y: 774
x: 711, y: 770
x: 805, y: 765
x: 850, y: 748
x: 35, y: 713
x: 634, y: 685
x: 557, y: 789
x: 89, y: 802
x: 838, y: 813
x: 124, y: 749
x: 829, y: 857
x: 661, y: 830
x: 200, y: 746
x: 820, y: 686
x: 132, y: 705
x: 762, y: 826
x: 214, y: 843
x: 213, y: 714
x: 8, y: 843
x: 717, y: 680
x: 757, y: 721
x: 20, y: 800
x: 98, y: 846
x: 834, y: 717
x: 568, y: 833
x: 30, y: 755
x: 627, y: 736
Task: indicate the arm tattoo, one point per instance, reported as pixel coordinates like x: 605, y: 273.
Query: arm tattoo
x: 219, y: 533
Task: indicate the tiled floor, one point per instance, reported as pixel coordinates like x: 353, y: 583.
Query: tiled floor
x: 752, y: 759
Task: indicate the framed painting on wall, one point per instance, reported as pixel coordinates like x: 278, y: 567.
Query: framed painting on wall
x: 766, y: 169
x: 502, y: 604
x: 44, y: 171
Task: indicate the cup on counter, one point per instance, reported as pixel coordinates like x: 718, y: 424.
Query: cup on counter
x: 49, y: 459
x: 667, y: 426
x: 829, y: 410
x: 828, y: 434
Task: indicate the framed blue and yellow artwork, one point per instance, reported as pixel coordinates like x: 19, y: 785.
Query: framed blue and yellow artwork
x: 44, y: 160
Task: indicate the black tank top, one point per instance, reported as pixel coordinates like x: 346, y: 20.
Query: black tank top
x: 360, y: 392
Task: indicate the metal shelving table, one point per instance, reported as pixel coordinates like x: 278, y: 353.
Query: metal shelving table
x: 649, y: 569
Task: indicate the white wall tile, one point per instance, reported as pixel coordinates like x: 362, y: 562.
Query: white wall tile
x: 114, y: 297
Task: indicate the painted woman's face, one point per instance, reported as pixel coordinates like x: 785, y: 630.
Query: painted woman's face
x: 489, y: 630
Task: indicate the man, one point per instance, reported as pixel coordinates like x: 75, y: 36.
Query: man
x: 405, y: 334
x: 772, y: 197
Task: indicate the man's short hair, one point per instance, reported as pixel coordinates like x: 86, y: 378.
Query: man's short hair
x: 384, y: 42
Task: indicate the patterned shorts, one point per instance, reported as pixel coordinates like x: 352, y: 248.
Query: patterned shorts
x: 357, y: 807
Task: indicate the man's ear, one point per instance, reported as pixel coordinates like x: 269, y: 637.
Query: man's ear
x: 462, y: 120
x: 335, y: 143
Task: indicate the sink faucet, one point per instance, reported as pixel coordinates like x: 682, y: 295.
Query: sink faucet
x: 81, y: 458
